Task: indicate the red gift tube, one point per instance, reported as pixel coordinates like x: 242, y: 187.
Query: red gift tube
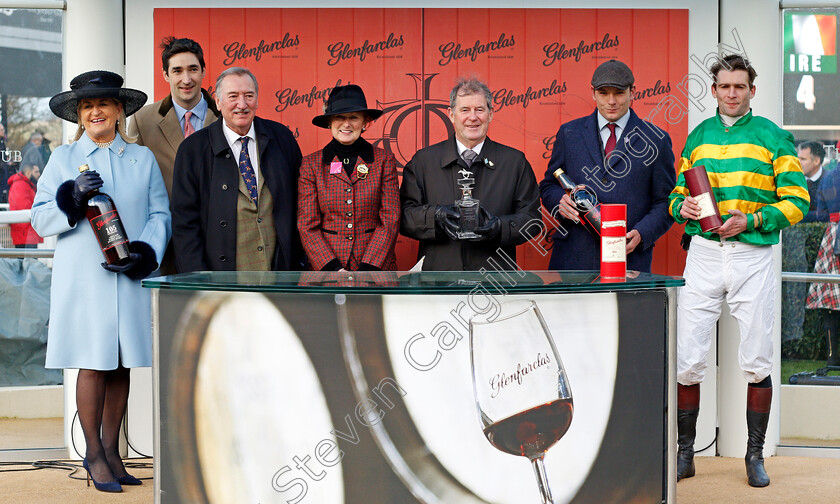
x: 697, y: 181
x: 613, y: 240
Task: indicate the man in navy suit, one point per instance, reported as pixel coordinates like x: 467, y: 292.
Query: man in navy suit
x: 622, y: 159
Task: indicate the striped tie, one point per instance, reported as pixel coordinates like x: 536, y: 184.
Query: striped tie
x: 188, y: 127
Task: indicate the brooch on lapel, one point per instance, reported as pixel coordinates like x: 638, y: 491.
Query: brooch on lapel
x: 489, y: 163
x: 120, y: 152
x: 362, y: 171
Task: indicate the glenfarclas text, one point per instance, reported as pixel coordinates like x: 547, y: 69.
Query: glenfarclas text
x: 697, y: 182
x: 107, y: 226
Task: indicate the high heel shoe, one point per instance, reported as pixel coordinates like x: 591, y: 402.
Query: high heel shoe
x: 110, y: 486
x: 128, y: 480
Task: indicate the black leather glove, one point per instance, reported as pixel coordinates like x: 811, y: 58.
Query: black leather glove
x: 86, y: 182
x: 491, y: 227
x: 142, y: 261
x: 133, y: 259
x: 446, y: 220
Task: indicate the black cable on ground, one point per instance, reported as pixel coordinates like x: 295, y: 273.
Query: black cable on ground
x: 66, y: 465
x: 45, y: 464
x: 128, y: 439
x: 710, y: 444
x: 71, y: 466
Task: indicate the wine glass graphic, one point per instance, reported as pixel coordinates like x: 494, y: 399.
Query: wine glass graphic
x: 521, y: 390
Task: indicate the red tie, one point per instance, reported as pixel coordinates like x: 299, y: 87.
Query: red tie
x: 188, y: 127
x: 610, y: 141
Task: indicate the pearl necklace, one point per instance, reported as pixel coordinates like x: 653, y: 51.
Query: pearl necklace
x: 104, y: 145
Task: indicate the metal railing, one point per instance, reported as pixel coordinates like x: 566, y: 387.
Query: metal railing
x: 36, y: 253
x: 791, y: 276
x: 18, y: 217
x: 14, y: 216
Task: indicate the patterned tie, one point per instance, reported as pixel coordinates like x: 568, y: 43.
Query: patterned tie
x: 469, y: 156
x: 188, y: 127
x: 247, y: 170
x: 610, y: 141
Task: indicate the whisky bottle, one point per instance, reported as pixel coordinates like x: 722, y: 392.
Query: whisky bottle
x: 700, y: 188
x: 585, y: 201
x: 107, y: 226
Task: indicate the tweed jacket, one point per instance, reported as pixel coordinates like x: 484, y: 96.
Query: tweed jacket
x: 505, y: 185
x: 640, y: 174
x: 352, y: 219
x: 205, y: 190
x: 156, y: 126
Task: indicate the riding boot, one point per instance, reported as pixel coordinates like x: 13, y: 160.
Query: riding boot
x: 688, y: 407
x: 758, y: 414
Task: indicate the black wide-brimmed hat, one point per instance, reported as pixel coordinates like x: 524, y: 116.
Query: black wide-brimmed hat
x: 95, y: 84
x: 343, y: 100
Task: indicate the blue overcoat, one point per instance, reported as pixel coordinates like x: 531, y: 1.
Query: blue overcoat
x: 98, y: 317
x: 640, y: 174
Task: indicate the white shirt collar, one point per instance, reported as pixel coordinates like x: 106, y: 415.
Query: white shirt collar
x: 233, y: 137
x: 462, y: 147
x: 816, y: 176
x: 729, y: 120
x: 621, y: 122
x: 200, y: 110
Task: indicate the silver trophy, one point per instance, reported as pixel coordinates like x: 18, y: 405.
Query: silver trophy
x: 467, y: 206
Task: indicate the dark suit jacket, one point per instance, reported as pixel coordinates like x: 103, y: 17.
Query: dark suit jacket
x: 640, y: 174
x: 825, y: 196
x: 156, y: 126
x: 504, y: 185
x: 205, y: 189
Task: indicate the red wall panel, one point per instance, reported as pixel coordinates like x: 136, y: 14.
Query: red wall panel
x: 538, y: 62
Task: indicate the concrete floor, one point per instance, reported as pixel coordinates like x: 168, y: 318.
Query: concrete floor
x: 718, y: 480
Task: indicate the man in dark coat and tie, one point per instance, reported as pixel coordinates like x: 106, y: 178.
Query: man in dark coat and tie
x: 498, y: 176
x: 622, y: 159
x: 234, y: 191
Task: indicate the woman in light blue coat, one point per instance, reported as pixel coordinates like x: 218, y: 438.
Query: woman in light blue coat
x: 100, y: 315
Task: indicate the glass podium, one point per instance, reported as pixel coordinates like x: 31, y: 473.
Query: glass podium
x: 355, y: 387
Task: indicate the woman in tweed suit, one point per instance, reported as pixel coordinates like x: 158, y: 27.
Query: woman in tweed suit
x: 348, y: 194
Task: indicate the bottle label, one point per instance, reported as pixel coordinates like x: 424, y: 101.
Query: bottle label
x: 707, y: 209
x: 108, y: 229
x: 613, y: 249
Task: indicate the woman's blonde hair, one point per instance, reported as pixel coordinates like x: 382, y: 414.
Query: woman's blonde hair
x: 121, y: 121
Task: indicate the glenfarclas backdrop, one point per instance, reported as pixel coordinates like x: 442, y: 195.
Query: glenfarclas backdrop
x: 537, y: 62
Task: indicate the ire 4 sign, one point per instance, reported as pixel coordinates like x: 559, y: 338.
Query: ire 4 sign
x: 805, y: 92
x: 805, y: 63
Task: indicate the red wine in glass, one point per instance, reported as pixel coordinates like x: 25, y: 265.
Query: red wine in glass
x: 522, y: 393
x: 531, y: 432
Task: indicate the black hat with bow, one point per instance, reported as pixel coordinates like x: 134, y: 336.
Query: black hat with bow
x: 95, y: 84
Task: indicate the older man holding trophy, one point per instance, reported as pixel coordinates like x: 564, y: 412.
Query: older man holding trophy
x: 466, y: 199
